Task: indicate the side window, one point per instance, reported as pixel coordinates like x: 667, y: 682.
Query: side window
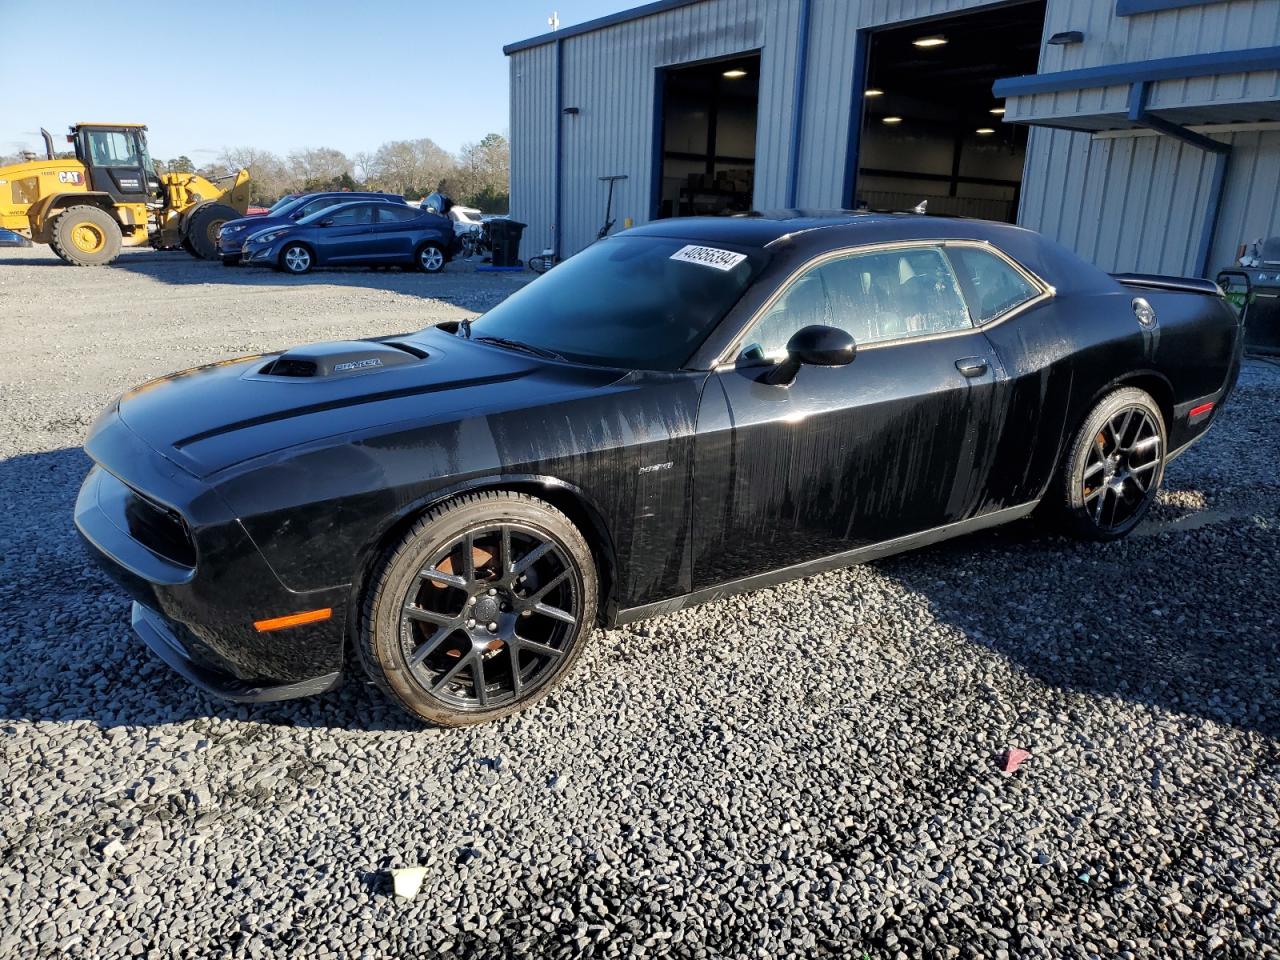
x: 887, y: 295
x: 316, y: 205
x: 394, y: 213
x: 991, y: 285
x: 353, y: 216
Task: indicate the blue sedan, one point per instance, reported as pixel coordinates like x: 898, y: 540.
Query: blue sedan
x: 364, y: 233
x: 233, y: 233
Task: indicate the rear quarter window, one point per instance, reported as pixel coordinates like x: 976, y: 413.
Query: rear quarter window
x: 992, y: 286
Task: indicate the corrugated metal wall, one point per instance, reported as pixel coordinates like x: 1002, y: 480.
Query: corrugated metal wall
x: 1130, y: 203
x: 533, y: 145
x: 1109, y: 39
x: 1138, y: 202
x: 609, y: 75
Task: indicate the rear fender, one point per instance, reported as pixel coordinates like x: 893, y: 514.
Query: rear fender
x: 43, y: 211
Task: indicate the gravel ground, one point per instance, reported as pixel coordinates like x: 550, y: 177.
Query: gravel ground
x: 811, y: 770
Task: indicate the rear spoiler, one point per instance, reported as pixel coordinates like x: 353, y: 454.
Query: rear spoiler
x: 1153, y: 281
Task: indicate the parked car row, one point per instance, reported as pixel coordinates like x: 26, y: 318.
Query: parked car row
x: 343, y: 229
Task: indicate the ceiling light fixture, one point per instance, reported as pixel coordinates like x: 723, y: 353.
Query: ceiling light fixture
x: 926, y: 42
x: 997, y: 111
x: 891, y: 120
x: 873, y: 92
x: 735, y: 74
x: 984, y: 131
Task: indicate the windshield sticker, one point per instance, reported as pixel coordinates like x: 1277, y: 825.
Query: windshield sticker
x: 724, y: 260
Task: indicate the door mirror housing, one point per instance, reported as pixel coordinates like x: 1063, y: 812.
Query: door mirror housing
x: 326, y: 222
x: 816, y: 345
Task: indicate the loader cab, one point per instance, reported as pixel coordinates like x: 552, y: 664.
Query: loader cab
x: 117, y: 161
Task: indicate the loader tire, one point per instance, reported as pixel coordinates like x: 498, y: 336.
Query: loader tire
x: 85, y: 236
x: 203, y: 227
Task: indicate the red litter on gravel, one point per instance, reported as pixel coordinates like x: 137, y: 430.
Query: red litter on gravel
x: 1012, y: 760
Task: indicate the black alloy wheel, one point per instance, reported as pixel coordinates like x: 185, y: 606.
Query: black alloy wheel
x: 1116, y: 466
x: 482, y: 608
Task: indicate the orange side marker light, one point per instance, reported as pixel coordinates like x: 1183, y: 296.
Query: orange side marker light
x: 293, y: 620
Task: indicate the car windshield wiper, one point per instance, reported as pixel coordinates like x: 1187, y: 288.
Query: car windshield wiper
x: 522, y: 347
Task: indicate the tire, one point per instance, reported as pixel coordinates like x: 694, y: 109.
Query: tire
x: 422, y: 639
x: 202, y: 229
x: 1114, y: 467
x: 85, y: 236
x: 541, y: 264
x: 297, y: 258
x: 431, y: 258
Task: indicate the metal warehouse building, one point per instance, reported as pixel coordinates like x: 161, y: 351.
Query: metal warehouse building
x: 1144, y: 134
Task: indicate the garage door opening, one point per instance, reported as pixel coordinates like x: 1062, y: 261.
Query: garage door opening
x: 707, y: 124
x: 931, y: 129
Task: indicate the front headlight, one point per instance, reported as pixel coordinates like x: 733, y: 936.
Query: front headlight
x: 269, y: 236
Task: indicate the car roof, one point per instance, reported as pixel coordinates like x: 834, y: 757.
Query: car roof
x: 755, y: 229
x: 818, y: 227
x: 353, y: 194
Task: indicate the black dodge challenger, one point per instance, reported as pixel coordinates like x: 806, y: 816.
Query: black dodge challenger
x: 681, y: 411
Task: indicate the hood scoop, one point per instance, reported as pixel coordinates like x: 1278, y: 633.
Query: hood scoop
x: 342, y: 358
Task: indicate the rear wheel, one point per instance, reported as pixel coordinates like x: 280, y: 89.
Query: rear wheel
x: 1115, y: 466
x: 203, y: 226
x: 481, y: 609
x: 85, y: 236
x: 431, y: 258
x: 296, y: 258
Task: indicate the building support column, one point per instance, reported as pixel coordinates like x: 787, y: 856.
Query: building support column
x: 1139, y: 114
x: 798, y: 101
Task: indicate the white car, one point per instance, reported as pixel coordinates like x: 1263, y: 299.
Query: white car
x: 465, y: 219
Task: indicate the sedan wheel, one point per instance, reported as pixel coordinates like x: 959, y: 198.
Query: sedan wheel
x: 431, y: 259
x: 1116, y: 465
x: 296, y: 258
x: 481, y: 609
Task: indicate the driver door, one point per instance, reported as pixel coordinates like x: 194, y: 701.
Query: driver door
x: 846, y: 456
x: 114, y: 160
x: 348, y: 236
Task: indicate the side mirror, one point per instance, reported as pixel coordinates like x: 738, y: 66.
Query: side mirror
x: 815, y: 346
x: 296, y: 215
x: 326, y: 222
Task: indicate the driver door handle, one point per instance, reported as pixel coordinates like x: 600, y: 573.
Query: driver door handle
x: 972, y: 366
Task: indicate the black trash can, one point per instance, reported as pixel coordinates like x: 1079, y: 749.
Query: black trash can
x: 505, y: 235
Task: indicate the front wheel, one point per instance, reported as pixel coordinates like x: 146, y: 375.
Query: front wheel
x: 296, y: 258
x: 481, y: 609
x: 1115, y: 466
x: 201, y: 239
x: 431, y: 259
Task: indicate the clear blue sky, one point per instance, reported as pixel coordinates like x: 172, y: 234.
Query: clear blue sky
x: 276, y: 74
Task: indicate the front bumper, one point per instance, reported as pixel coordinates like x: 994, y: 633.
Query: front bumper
x: 166, y: 642
x: 198, y: 611
x: 260, y: 254
x: 229, y: 244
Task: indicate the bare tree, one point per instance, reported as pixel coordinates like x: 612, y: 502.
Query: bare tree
x: 319, y: 168
x: 268, y: 178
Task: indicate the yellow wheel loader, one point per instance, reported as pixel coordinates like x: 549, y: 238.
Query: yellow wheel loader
x: 110, y: 196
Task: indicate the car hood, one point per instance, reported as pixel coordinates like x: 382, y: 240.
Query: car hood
x: 216, y: 416
x: 248, y: 225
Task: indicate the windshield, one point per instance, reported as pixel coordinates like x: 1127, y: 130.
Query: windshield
x: 279, y: 205
x: 643, y: 303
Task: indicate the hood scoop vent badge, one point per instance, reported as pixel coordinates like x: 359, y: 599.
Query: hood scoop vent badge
x: 344, y: 358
